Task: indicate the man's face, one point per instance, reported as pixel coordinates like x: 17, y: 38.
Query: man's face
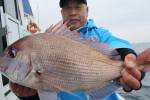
x: 75, y: 14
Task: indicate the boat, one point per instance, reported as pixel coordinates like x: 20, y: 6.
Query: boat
x: 15, y: 16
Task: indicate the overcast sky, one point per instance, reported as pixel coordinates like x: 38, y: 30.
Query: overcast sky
x: 128, y: 19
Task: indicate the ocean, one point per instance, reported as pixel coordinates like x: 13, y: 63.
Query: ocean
x: 144, y: 92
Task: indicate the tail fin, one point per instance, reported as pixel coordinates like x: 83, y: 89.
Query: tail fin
x: 146, y: 66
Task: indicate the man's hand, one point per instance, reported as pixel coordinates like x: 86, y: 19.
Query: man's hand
x: 131, y: 75
x: 22, y: 91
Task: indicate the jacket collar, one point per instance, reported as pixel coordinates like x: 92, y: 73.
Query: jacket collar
x: 89, y: 25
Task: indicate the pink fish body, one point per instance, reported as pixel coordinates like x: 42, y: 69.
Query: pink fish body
x: 53, y: 62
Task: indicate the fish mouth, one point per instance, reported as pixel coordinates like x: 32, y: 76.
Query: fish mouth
x: 3, y: 68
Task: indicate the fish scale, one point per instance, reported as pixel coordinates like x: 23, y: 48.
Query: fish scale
x: 68, y: 63
x: 82, y: 70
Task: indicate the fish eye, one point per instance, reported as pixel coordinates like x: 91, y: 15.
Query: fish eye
x: 12, y: 52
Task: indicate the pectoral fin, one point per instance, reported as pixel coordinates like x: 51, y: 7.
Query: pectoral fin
x: 47, y: 95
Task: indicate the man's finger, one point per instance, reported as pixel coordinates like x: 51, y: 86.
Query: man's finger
x: 125, y: 88
x: 135, y: 73
x: 130, y: 61
x: 129, y: 80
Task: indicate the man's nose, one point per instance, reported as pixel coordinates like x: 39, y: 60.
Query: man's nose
x: 73, y: 12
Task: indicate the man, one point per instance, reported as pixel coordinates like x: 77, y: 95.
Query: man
x: 75, y: 13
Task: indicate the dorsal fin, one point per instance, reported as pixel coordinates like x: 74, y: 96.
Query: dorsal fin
x: 101, y: 47
x: 61, y: 29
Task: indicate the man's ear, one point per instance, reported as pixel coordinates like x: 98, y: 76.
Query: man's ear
x: 61, y: 12
x: 87, y: 9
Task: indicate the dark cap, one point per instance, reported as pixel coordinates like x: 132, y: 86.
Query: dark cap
x: 62, y: 3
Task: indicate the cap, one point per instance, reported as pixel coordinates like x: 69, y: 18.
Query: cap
x: 62, y: 3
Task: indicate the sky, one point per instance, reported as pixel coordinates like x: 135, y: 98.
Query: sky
x: 127, y: 19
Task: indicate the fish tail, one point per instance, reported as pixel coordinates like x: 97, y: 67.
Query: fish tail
x: 146, y: 66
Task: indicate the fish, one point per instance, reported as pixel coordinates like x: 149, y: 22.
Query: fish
x: 54, y: 62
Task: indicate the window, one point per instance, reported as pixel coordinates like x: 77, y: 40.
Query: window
x: 3, y: 45
x: 11, y: 8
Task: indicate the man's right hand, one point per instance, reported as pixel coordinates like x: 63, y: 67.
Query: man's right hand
x: 22, y: 91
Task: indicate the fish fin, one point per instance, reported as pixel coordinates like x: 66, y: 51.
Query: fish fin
x: 100, y: 47
x: 105, y: 90
x: 105, y: 49
x: 146, y: 66
x: 61, y: 29
x: 47, y: 95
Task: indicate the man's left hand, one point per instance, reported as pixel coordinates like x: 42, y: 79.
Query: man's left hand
x: 131, y: 75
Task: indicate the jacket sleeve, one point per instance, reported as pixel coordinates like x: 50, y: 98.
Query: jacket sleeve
x: 124, y: 51
x: 113, y: 41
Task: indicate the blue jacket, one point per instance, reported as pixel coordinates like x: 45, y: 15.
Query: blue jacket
x: 91, y: 31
